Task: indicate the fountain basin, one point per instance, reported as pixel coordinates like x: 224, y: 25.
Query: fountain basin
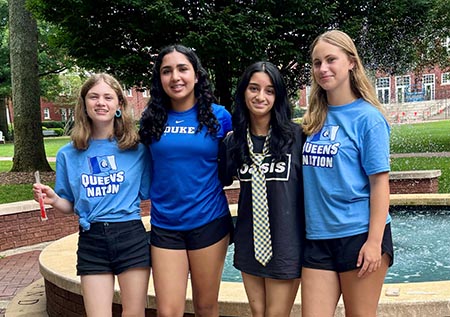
x: 63, y: 291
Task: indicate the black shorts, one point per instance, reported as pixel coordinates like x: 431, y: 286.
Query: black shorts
x: 194, y: 239
x: 113, y: 247
x: 340, y: 255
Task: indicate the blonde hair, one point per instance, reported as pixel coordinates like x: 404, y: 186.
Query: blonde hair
x: 124, y: 127
x: 360, y: 84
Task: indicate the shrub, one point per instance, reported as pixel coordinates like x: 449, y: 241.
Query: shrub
x: 53, y: 124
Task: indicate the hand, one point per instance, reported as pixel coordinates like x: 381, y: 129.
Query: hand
x: 369, y: 258
x: 48, y: 194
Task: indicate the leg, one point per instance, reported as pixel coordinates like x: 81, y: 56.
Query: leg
x: 206, y: 272
x: 256, y: 294
x: 280, y: 296
x: 361, y: 295
x: 170, y: 272
x: 98, y: 292
x: 133, y: 291
x: 320, y: 292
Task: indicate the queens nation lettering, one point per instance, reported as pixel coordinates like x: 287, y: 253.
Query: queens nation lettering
x: 105, y: 178
x: 320, y: 149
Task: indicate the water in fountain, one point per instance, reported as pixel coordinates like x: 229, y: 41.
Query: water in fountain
x: 421, y: 245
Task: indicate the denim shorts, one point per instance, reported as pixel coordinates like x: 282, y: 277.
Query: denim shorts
x: 113, y: 247
x: 194, y: 239
x: 341, y: 254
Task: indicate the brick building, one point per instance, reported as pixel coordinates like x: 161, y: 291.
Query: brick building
x: 410, y: 97
x: 50, y: 111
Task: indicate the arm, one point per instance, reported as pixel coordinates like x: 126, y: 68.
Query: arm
x: 370, y: 253
x: 51, y: 198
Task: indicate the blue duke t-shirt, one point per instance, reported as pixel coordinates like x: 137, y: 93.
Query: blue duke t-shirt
x: 186, y: 192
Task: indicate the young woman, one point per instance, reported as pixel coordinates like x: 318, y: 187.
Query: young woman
x: 190, y: 218
x: 346, y: 174
x: 265, y: 141
x: 102, y: 175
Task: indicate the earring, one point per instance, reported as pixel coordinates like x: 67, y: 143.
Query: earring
x: 118, y: 113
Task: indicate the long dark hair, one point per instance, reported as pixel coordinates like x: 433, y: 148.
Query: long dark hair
x: 283, y: 128
x: 154, y: 117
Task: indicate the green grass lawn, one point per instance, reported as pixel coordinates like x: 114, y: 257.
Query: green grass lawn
x: 13, y: 193
x: 421, y: 137
x: 52, y: 145
x: 405, y: 138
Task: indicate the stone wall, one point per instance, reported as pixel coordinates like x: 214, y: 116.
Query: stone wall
x: 414, y: 182
x: 406, y: 182
x: 20, y: 223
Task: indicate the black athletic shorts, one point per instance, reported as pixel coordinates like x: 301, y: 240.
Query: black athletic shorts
x: 194, y: 239
x: 340, y: 255
x: 113, y: 247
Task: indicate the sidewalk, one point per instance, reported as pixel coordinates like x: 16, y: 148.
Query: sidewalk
x: 18, y: 269
x: 9, y: 158
x: 424, y: 154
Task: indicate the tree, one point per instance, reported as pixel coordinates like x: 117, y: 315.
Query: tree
x: 123, y: 36
x: 29, y: 151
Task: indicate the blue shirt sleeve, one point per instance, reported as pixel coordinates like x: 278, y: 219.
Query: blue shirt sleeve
x: 224, y: 118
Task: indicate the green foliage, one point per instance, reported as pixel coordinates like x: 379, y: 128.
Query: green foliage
x: 53, y: 124
x: 421, y: 137
x: 123, y: 36
x: 5, y: 71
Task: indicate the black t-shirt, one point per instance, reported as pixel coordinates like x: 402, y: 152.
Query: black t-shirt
x: 286, y: 209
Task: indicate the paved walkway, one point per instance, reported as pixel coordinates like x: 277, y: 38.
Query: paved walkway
x: 18, y: 269
x: 425, y: 154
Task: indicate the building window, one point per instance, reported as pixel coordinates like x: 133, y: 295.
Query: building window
x: 429, y: 86
x: 401, y: 87
x: 446, y: 43
x: 63, y: 114
x: 445, y: 79
x: 145, y: 93
x: 383, y: 89
x: 128, y: 91
x: 46, y: 113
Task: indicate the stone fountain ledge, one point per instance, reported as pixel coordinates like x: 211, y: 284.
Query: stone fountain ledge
x: 60, y: 287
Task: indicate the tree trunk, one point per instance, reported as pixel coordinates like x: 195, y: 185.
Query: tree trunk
x: 29, y: 151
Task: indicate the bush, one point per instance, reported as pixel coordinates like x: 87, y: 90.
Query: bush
x: 53, y: 124
x: 59, y: 131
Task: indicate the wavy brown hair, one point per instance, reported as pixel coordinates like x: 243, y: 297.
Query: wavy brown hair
x: 124, y: 127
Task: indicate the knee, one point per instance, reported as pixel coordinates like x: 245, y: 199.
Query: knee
x: 133, y: 312
x: 258, y: 310
x: 206, y: 309
x: 170, y: 312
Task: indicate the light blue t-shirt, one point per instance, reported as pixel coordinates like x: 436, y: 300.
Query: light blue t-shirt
x: 337, y: 162
x: 186, y: 192
x: 104, y: 183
